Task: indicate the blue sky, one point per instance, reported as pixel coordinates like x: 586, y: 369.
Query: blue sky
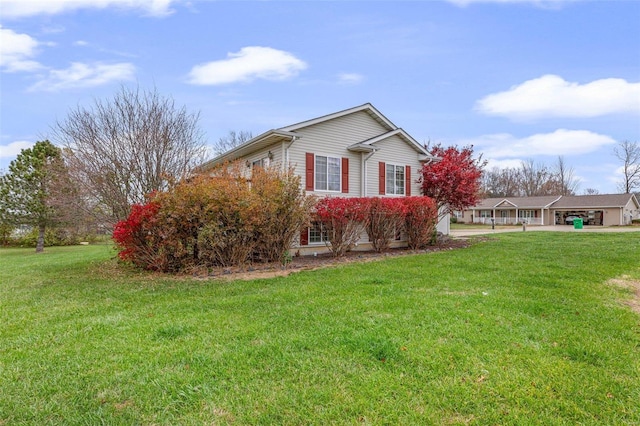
x: 518, y: 79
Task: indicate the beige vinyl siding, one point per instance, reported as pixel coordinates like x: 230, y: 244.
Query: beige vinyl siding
x: 331, y: 138
x: 393, y: 150
x: 276, y: 150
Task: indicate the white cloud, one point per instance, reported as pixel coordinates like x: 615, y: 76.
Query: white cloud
x: 250, y: 63
x: 17, y: 51
x: 512, y: 163
x: 25, y: 8
x: 14, y: 148
x: 80, y: 75
x: 552, y: 96
x: 560, y: 142
x: 350, y: 78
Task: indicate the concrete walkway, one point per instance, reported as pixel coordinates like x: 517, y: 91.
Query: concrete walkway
x: 533, y: 228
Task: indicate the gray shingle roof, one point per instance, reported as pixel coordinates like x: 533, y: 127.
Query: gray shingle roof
x: 582, y: 201
x: 557, y: 202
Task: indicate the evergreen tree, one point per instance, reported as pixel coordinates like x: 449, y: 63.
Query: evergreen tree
x: 30, y: 190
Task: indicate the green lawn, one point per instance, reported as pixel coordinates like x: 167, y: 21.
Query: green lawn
x: 520, y: 329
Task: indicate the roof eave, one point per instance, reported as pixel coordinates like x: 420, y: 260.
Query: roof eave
x: 247, y: 147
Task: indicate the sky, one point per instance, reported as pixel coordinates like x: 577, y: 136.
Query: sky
x: 519, y: 80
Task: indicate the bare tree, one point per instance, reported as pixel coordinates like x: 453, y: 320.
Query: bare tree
x: 230, y: 141
x: 502, y: 182
x: 590, y: 191
x: 564, y: 180
x: 629, y: 153
x: 535, y: 179
x: 123, y: 148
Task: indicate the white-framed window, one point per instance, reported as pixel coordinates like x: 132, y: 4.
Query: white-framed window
x: 327, y: 171
x: 486, y: 213
x: 395, y: 179
x: 317, y: 233
x: 526, y: 214
x: 263, y: 162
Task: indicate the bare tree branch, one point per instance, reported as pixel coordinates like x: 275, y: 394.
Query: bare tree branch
x: 230, y: 141
x: 629, y: 154
x: 123, y: 148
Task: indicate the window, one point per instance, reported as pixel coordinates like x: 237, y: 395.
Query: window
x: 486, y: 213
x: 395, y: 180
x: 327, y: 173
x: 526, y: 214
x: 316, y: 233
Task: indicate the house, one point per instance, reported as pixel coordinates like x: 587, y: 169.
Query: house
x: 600, y: 210
x: 512, y: 210
x: 357, y: 152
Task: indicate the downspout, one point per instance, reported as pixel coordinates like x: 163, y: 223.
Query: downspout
x: 285, y: 153
x: 363, y: 174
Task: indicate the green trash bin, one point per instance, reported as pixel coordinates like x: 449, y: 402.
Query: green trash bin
x: 577, y: 223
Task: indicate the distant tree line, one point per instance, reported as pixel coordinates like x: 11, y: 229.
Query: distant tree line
x: 531, y: 179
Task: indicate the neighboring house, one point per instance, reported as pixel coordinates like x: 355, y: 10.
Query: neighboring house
x: 512, y: 210
x: 602, y: 210
x: 357, y: 152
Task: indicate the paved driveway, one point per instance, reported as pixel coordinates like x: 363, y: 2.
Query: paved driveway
x: 533, y: 228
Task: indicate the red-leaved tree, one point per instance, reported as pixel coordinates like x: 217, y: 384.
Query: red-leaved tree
x: 454, y: 181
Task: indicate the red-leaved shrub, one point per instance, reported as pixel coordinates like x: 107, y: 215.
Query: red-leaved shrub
x: 343, y: 219
x: 420, y: 219
x: 135, y: 234
x: 385, y: 219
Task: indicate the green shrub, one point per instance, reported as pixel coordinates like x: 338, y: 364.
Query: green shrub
x: 6, y: 231
x: 52, y: 237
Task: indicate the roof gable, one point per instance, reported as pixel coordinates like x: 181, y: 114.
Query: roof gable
x: 505, y: 203
x: 368, y: 108
x: 298, y: 131
x: 370, y: 144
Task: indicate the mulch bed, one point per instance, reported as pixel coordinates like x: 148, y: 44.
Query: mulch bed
x: 306, y: 263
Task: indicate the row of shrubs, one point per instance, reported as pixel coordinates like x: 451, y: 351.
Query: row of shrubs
x: 344, y: 220
x: 13, y: 237
x: 229, y: 219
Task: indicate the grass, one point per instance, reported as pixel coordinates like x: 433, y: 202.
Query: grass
x: 520, y: 329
